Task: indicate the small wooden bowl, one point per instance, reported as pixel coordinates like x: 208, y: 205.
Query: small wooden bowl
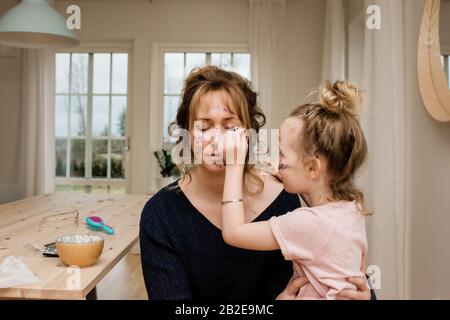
x: 79, y: 250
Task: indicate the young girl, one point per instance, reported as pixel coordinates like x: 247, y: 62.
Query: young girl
x: 321, y: 147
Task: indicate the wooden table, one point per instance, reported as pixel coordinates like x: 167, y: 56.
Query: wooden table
x: 33, y: 220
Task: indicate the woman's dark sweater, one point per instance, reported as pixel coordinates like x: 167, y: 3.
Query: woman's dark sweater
x: 184, y: 256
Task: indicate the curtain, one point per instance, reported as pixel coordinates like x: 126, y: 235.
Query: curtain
x: 10, y: 93
x: 333, y: 64
x: 37, y: 139
x: 268, y: 61
x: 384, y: 122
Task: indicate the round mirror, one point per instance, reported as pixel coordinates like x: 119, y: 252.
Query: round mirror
x: 433, y: 59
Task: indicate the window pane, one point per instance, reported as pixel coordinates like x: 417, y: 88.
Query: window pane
x: 120, y: 73
x: 90, y: 189
x: 99, y: 158
x: 241, y: 64
x: 79, y: 74
x: 170, y: 112
x: 100, y: 116
x: 101, y: 72
x: 61, y: 115
x: 60, y: 163
x: 108, y: 189
x: 194, y: 60
x: 118, y: 116
x: 174, y: 72
x: 118, y: 159
x: 78, y: 115
x: 62, y: 70
x: 222, y: 60
x: 77, y: 158
x: 448, y: 70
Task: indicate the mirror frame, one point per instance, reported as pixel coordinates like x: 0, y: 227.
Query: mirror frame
x: 433, y: 85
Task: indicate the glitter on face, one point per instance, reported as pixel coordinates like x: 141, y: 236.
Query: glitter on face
x: 220, y: 108
x: 283, y: 166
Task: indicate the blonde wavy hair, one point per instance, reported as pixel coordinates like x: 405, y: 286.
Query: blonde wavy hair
x: 332, y: 129
x: 241, y: 96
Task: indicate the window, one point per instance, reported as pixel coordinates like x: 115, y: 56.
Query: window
x: 446, y: 63
x: 90, y: 119
x: 178, y: 65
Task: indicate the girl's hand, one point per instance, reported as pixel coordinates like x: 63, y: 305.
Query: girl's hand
x: 236, y: 146
x: 293, y: 287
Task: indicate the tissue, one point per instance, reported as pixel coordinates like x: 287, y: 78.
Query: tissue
x: 14, y: 272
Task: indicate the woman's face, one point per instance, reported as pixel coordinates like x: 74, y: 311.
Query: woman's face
x: 214, y: 116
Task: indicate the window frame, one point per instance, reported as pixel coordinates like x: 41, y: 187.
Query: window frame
x: 208, y: 61
x: 445, y: 52
x: 122, y: 47
x: 156, y: 112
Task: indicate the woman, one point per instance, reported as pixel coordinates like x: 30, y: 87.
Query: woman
x: 182, y: 250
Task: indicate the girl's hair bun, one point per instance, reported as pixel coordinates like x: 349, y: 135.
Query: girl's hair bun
x: 342, y: 97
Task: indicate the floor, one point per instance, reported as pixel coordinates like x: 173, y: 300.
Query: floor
x: 124, y: 282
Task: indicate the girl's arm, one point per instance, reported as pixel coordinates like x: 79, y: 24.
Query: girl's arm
x: 235, y: 231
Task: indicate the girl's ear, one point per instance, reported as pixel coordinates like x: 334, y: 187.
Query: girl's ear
x: 315, y: 167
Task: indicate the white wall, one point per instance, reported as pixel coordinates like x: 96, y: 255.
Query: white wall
x: 144, y: 23
x: 429, y: 158
x: 444, y: 24
x: 10, y: 97
x: 355, y: 26
x: 428, y: 163
x: 305, y: 25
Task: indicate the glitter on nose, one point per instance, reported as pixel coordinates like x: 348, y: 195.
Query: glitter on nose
x: 217, y: 134
x: 199, y: 138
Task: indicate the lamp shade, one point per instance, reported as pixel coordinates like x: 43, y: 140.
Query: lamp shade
x: 35, y: 24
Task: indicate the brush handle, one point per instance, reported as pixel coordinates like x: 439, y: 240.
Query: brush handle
x: 107, y: 229
x: 99, y: 225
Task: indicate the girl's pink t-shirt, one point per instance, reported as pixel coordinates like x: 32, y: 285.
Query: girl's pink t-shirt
x: 325, y: 243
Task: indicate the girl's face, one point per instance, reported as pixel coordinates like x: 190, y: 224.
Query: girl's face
x: 296, y: 176
x: 214, y: 116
